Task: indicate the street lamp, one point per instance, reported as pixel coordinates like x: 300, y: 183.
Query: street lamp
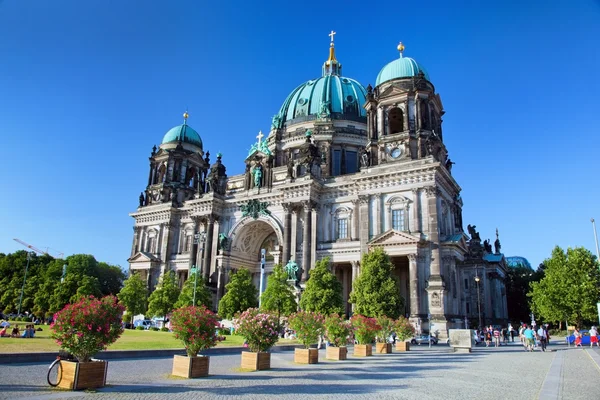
x: 194, y: 270
x: 478, y: 301
x: 23, y: 286
x: 596, y: 237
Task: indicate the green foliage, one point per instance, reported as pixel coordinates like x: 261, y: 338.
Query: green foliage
x: 259, y: 329
x: 404, y: 329
x: 154, y: 328
x: 241, y: 294
x: 278, y: 296
x: 308, y: 326
x: 203, y: 294
x: 386, y: 327
x: 376, y: 292
x: 140, y: 328
x: 365, y: 328
x: 196, y: 327
x: 134, y: 295
x: 88, y: 326
x: 337, y: 330
x: 162, y: 300
x: 570, y: 288
x: 164, y: 329
x: 323, y: 292
x: 518, y: 280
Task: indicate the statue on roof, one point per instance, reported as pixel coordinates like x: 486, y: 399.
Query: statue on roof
x: 487, y: 246
x: 142, y: 201
x: 324, y: 111
x: 497, y: 246
x: 474, y: 234
x: 257, y: 172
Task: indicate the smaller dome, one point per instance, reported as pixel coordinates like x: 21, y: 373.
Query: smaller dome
x: 403, y: 67
x: 183, y: 133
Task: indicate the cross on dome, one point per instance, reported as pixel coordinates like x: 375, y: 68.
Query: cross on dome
x: 260, y: 136
x: 331, y: 35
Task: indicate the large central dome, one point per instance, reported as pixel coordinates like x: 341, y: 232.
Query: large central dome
x: 331, y: 95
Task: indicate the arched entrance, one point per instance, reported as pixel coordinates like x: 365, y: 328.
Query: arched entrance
x: 248, y: 237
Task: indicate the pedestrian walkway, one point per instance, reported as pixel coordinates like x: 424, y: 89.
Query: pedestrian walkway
x: 496, y: 373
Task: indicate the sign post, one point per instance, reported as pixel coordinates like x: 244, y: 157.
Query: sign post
x: 598, y: 305
x: 263, y: 253
x: 193, y: 271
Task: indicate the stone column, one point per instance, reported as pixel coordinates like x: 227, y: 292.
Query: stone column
x: 416, y: 219
x: 364, y: 223
x: 313, y: 235
x: 136, y: 239
x: 194, y: 253
x: 287, y: 231
x: 377, y: 216
x: 355, y: 273
x: 435, y: 286
x: 306, y: 240
x: 214, y: 246
x: 345, y: 288
x: 417, y: 113
x: 294, y: 233
x: 354, y: 218
x: 165, y: 245
x: 206, y: 263
x: 415, y: 301
x: 380, y: 126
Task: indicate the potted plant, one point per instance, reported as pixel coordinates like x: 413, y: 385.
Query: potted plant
x: 404, y: 331
x: 386, y: 327
x: 308, y: 326
x: 337, y: 331
x: 196, y: 327
x: 261, y: 333
x: 83, y: 329
x: 365, y: 329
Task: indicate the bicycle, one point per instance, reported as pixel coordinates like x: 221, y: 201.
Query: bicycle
x: 55, y: 366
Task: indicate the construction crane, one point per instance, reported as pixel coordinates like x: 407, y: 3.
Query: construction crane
x: 29, y: 246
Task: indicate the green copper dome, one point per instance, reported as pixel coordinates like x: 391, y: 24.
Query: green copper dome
x: 403, y: 67
x: 330, y: 96
x: 183, y: 133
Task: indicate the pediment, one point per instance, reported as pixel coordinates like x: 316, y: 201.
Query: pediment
x: 393, y: 237
x: 456, y: 240
x: 257, y: 154
x: 143, y: 257
x: 392, y: 90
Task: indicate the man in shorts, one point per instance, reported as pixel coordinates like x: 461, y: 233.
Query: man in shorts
x: 594, y: 337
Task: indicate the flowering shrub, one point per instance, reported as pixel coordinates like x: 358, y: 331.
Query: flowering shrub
x: 365, y: 328
x: 386, y: 327
x: 404, y: 329
x: 196, y: 327
x: 337, y: 330
x: 308, y: 326
x: 259, y: 329
x: 88, y: 326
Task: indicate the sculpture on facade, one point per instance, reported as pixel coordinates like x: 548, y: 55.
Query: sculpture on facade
x: 254, y: 209
x: 497, y: 246
x: 142, y: 201
x: 324, y: 109
x: 290, y: 168
x: 487, y: 246
x: 309, y: 153
x: 365, y: 159
x: 474, y: 234
x: 292, y: 270
x: 449, y: 164
x: 257, y: 172
x: 223, y: 241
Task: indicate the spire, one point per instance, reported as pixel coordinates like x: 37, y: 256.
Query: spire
x: 332, y: 65
x: 400, y: 48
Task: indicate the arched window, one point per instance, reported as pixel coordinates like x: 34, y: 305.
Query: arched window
x: 161, y: 173
x: 342, y: 223
x: 397, y: 214
x: 396, y: 121
x: 151, y: 241
x: 425, y: 121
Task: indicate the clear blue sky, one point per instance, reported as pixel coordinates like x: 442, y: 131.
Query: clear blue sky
x: 87, y: 87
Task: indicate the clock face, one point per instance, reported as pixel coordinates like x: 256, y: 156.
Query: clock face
x: 396, y: 152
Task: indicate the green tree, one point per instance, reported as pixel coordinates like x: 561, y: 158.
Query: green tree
x: 376, y: 292
x: 162, y: 300
x: 570, y: 288
x: 278, y: 296
x: 323, y: 292
x: 518, y: 280
x: 203, y: 294
x: 241, y: 294
x: 134, y: 296
x: 110, y: 278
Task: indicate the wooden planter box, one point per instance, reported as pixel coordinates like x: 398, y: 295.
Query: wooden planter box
x: 190, y: 367
x: 383, y: 348
x: 336, y: 353
x: 306, y: 356
x: 82, y: 375
x: 363, y: 350
x: 256, y: 361
x: 402, y: 346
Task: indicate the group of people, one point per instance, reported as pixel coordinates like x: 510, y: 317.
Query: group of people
x: 28, y: 332
x: 593, y: 337
x: 499, y: 336
x: 532, y: 338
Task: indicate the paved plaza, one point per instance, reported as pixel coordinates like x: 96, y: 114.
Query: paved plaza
x: 504, y: 373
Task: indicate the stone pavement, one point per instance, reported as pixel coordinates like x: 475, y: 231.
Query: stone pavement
x: 502, y: 373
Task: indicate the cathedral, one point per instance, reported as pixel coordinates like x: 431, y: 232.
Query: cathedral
x: 344, y: 169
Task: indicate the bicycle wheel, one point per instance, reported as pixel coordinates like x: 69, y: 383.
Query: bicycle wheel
x: 55, y: 368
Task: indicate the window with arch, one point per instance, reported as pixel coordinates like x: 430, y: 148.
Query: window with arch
x: 425, y: 120
x: 187, y: 242
x: 342, y: 223
x: 151, y: 242
x: 397, y: 213
x: 396, y: 120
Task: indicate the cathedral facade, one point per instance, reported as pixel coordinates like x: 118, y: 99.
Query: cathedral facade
x: 343, y: 169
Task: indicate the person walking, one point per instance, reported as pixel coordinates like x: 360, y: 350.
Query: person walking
x: 577, y: 336
x: 542, y: 337
x: 594, y: 337
x: 529, y: 335
x: 496, y: 337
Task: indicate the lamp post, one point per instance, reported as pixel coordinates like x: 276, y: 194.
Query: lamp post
x: 263, y: 253
x: 596, y: 237
x: 478, y: 301
x: 194, y: 270
x: 23, y: 286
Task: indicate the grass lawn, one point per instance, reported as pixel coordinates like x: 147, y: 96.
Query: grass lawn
x: 130, y: 340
